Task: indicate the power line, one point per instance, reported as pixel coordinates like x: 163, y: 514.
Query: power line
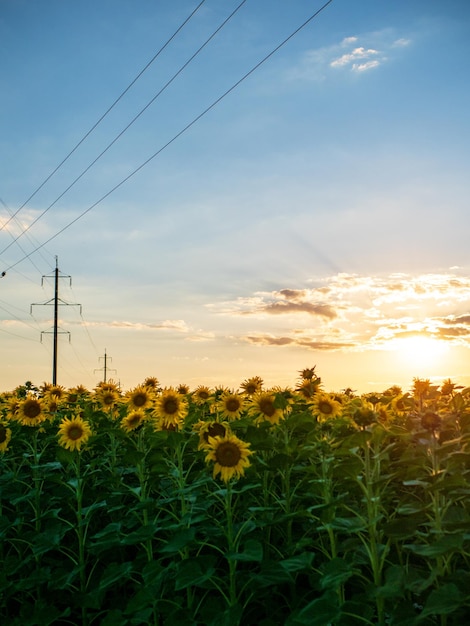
x: 175, y: 137
x: 7, y: 208
x: 135, y: 118
x: 104, y: 114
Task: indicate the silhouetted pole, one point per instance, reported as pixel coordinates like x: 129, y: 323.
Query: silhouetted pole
x: 104, y: 369
x: 55, y: 301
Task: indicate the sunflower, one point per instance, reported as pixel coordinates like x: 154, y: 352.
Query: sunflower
x: 73, y: 432
x: 52, y: 402
x: 107, y: 398
x: 151, y: 382
x: 308, y: 373
x: 309, y: 387
x: 170, y: 408
x: 231, y: 405
x: 201, y: 395
x: 139, y: 398
x: 75, y: 394
x: 431, y: 421
x: 132, y: 420
x: 401, y: 404
x: 30, y: 411
x: 209, y: 429
x: 264, y: 408
x: 230, y: 456
x: 5, y: 436
x: 56, y: 390
x: 252, y: 385
x: 325, y: 407
x: 182, y: 389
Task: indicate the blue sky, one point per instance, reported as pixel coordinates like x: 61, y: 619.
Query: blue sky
x: 318, y: 214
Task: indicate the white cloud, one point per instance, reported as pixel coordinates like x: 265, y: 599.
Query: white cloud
x: 354, y: 54
x: 353, y: 312
x: 350, y: 57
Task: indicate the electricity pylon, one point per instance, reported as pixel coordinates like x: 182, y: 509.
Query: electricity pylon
x: 105, y: 369
x: 55, y: 302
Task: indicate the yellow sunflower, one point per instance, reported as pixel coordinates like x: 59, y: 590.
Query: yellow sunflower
x: 151, y: 382
x: 252, y: 385
x: 209, y: 429
x: 230, y: 456
x: 309, y: 387
x: 231, y: 405
x: 182, y: 389
x: 201, y: 395
x: 107, y: 398
x: 52, y: 402
x: 75, y: 394
x: 325, y: 407
x: 139, y: 398
x: 263, y: 407
x: 5, y: 436
x: 30, y: 411
x: 132, y: 420
x: 170, y: 408
x: 73, y: 432
x: 401, y: 404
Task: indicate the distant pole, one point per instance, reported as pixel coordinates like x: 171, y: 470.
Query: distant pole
x: 56, y: 326
x: 105, y: 368
x: 55, y: 301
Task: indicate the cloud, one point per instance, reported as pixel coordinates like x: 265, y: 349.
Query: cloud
x: 357, y: 54
x: 357, y: 312
x: 171, y: 325
x: 350, y: 57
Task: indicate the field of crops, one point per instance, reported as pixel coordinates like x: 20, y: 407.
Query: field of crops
x: 218, y: 507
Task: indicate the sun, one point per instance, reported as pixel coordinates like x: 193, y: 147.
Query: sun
x: 420, y: 352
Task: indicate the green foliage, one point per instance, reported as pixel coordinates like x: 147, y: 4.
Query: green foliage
x: 363, y: 519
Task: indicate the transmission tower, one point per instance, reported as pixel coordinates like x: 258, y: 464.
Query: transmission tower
x: 105, y: 369
x: 55, y: 302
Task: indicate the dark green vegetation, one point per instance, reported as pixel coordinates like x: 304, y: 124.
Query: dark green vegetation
x: 360, y: 519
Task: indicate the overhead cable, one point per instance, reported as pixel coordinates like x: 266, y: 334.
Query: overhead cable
x: 136, y: 117
x: 105, y: 113
x: 175, y: 137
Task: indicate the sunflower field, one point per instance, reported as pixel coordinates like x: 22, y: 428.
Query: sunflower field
x: 219, y: 507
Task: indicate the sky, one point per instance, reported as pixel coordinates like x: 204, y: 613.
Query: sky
x: 235, y: 189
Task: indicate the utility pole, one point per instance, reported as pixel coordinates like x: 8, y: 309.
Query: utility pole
x: 55, y: 302
x: 105, y: 368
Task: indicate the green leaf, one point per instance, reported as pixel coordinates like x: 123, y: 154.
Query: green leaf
x: 179, y: 541
x: 445, y: 545
x: 115, y: 572
x: 319, y: 612
x: 443, y: 601
x: 252, y: 551
x: 194, y: 572
x: 298, y: 563
x: 335, y: 573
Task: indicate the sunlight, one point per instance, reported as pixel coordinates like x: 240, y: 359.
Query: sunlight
x: 421, y: 352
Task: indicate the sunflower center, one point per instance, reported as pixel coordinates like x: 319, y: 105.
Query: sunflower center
x: 203, y: 395
x: 31, y: 409
x: 267, y: 407
x: 108, y: 399
x: 232, y: 405
x: 228, y: 454
x: 75, y: 432
x: 140, y: 399
x: 134, y: 420
x: 170, y: 406
x: 216, y: 429
x: 325, y: 407
x: 3, y: 434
